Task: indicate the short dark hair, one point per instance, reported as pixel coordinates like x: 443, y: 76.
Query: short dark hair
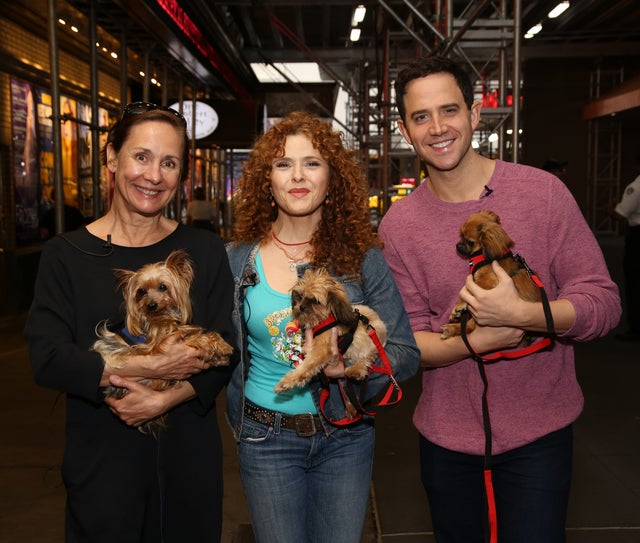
x: 430, y: 65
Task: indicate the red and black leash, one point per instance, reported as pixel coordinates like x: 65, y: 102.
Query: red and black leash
x: 389, y: 396
x: 544, y: 342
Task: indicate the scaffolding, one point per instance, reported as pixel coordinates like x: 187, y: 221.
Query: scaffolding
x: 603, y: 155
x: 491, y: 48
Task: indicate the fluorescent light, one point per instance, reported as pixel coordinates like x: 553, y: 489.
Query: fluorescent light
x: 355, y: 34
x: 534, y: 29
x: 493, y: 137
x: 358, y: 15
x: 558, y: 10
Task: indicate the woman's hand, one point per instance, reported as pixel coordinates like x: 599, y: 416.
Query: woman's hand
x: 335, y: 367
x: 177, y: 361
x: 142, y: 404
x: 139, y: 405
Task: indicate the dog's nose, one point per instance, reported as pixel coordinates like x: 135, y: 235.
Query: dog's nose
x: 152, y: 306
x: 462, y: 248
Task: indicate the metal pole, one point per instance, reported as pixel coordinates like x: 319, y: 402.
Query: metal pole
x: 386, y: 129
x: 517, y: 14
x: 147, y: 64
x: 124, y: 76
x: 194, y: 103
x: 502, y: 85
x: 468, y: 22
x: 95, y: 120
x: 55, y: 116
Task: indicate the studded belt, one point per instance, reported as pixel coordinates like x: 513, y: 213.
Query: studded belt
x: 304, y: 424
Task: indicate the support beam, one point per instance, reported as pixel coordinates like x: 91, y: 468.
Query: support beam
x: 623, y: 98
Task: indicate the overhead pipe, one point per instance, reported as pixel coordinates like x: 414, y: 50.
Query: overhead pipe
x: 293, y: 37
x: 403, y: 25
x: 300, y: 89
x: 439, y: 34
x: 468, y: 22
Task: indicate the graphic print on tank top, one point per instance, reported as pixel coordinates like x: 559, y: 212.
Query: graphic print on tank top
x: 286, y: 341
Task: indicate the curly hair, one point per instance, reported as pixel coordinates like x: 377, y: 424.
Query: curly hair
x: 344, y: 233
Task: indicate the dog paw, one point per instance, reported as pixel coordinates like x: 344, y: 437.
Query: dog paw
x: 115, y: 392
x: 357, y: 372
x: 285, y: 384
x: 450, y: 330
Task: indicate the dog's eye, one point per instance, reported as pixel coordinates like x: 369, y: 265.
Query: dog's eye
x: 162, y: 287
x: 141, y: 292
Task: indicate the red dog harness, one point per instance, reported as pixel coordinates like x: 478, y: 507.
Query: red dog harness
x: 389, y: 396
x: 476, y: 261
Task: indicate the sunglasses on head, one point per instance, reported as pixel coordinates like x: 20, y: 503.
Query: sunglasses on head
x: 136, y: 108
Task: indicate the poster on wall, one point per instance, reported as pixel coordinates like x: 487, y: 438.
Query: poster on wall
x: 69, y: 142
x: 106, y: 188
x: 45, y: 142
x: 25, y: 162
x: 85, y: 183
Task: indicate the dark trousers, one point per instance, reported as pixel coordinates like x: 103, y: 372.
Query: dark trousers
x: 531, y: 485
x: 631, y: 267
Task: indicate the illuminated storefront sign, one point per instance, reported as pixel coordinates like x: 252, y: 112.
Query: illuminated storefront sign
x: 206, y: 118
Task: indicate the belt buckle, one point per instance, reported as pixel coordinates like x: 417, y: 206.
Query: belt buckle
x: 305, y: 425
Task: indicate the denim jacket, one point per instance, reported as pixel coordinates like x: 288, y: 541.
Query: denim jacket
x: 374, y: 287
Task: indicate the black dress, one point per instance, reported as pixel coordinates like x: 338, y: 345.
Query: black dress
x: 123, y: 485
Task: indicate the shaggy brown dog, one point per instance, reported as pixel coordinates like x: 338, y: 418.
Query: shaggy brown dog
x: 158, y: 304
x: 483, y: 236
x: 315, y: 298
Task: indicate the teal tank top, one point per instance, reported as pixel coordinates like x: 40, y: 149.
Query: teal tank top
x: 274, y: 344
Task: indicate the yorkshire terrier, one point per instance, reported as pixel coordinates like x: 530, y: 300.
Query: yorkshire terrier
x: 158, y: 304
x: 315, y: 298
x: 483, y: 236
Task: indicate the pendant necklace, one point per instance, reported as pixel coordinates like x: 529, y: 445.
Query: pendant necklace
x: 291, y: 259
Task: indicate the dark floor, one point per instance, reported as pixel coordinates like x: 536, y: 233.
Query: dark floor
x: 604, y: 506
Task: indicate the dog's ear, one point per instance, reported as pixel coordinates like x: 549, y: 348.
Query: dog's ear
x: 490, y: 216
x: 341, y: 307
x: 123, y: 277
x: 179, y: 262
x: 494, y: 240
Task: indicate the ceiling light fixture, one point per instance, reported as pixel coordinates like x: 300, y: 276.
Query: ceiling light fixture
x: 533, y: 30
x: 355, y: 34
x: 358, y: 15
x: 558, y: 10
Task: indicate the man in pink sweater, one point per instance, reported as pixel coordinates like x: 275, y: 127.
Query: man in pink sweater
x: 512, y: 450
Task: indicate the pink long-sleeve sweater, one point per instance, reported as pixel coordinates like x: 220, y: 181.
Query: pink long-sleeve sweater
x: 530, y: 396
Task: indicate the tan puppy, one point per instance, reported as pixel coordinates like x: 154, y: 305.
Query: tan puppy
x: 483, y: 235
x: 158, y: 304
x: 314, y: 298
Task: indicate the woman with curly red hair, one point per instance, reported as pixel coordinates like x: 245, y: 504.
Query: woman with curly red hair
x: 302, y: 203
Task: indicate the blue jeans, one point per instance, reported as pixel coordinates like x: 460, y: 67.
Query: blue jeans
x: 531, y: 485
x: 306, y: 489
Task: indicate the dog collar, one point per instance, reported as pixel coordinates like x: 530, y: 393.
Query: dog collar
x: 120, y: 329
x: 130, y: 339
